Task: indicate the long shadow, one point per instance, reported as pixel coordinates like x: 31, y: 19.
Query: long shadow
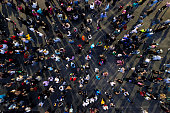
x: 164, y: 60
x: 164, y: 35
x: 6, y: 29
x: 160, y: 18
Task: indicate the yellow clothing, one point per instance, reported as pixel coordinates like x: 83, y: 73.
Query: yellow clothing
x: 142, y: 30
x: 65, y: 17
x: 102, y: 102
x: 28, y: 37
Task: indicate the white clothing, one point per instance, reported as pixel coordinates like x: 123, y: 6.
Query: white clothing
x: 41, y: 104
x: 40, y: 50
x: 129, y: 16
x: 92, y: 6
x: 126, y: 93
x: 32, y: 29
x: 95, y: 98
x: 96, y: 69
x: 105, y: 107
x: 57, y: 58
x: 61, y: 88
x: 147, y: 98
x: 167, y: 80
x: 92, y: 100
x: 137, y: 26
x: 27, y: 109
x: 40, y: 34
x: 89, y: 37
x: 134, y: 31
x: 4, y: 46
x: 57, y: 80
x: 87, y: 100
x: 114, y: 19
x: 147, y: 60
x: 16, y: 44
x: 57, y: 40
x: 38, y: 78
x: 20, y: 34
x: 157, y: 57
x: 112, y: 83
x: 46, y: 52
x: 8, y: 19
x: 34, y: 5
x: 87, y: 77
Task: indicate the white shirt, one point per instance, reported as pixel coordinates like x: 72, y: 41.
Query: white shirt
x: 134, y: 31
x: 38, y: 78
x: 167, y: 80
x: 41, y: 104
x: 156, y: 57
x: 25, y: 41
x: 87, y: 77
x: 40, y: 50
x: 137, y: 26
x: 46, y: 52
x: 129, y: 16
x: 2, y: 51
x: 40, y: 34
x: 84, y: 104
x: 61, y: 88
x: 4, y: 46
x: 105, y: 107
x: 91, y: 100
x: 95, y: 98
x: 56, y: 80
x: 126, y: 93
x: 27, y: 109
x: 96, y: 69
x: 16, y: 44
x: 34, y: 5
x: 147, y: 98
x: 89, y: 37
x: 57, y: 58
x: 8, y: 19
x: 114, y: 19
x: 92, y: 6
x: 20, y: 34
x: 112, y: 83
x: 57, y: 40
x: 32, y: 29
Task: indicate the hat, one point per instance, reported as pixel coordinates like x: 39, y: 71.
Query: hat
x: 68, y: 87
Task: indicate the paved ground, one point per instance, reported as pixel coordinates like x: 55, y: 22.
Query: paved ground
x: 72, y: 96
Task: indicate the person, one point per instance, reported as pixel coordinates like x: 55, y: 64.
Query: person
x: 103, y: 15
x: 114, y: 2
x: 156, y: 57
x: 167, y: 65
x: 51, y: 47
x: 122, y: 70
x: 157, y: 21
x: 34, y: 5
x: 107, y: 7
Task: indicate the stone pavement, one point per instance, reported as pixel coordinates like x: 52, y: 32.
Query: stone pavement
x: 72, y: 96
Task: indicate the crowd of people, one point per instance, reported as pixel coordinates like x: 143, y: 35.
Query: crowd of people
x: 37, y: 66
